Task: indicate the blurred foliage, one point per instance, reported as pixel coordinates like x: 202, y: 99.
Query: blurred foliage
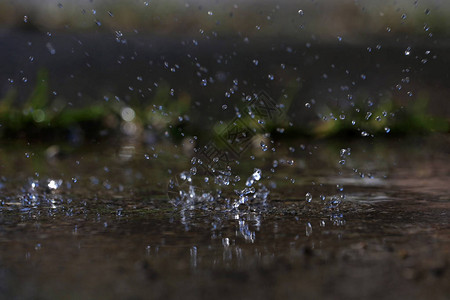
x: 388, y: 117
x: 41, y: 118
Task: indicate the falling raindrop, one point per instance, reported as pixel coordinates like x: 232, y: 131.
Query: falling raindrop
x: 408, y: 51
x: 308, y: 229
x: 263, y: 146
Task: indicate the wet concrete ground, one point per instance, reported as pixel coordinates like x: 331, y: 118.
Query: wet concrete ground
x: 108, y: 229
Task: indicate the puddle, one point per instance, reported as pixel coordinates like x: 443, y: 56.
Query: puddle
x: 96, y: 224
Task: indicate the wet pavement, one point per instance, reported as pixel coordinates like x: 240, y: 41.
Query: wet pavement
x: 98, y: 222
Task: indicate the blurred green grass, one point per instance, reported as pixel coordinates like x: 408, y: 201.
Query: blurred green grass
x: 40, y: 118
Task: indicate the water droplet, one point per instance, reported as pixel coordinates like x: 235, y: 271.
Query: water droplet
x: 193, y: 171
x: 308, y: 105
x: 25, y: 19
x: 404, y: 16
x: 408, y: 51
x: 270, y: 76
x: 300, y: 12
x: 308, y: 229
x: 387, y: 129
x: 308, y: 197
x: 257, y: 174
x: 54, y: 184
x: 364, y: 133
x: 255, y: 177
x: 263, y: 146
x: 427, y: 11
x: 224, y: 107
x: 50, y: 48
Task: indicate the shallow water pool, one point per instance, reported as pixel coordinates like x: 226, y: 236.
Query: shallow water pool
x: 100, y: 222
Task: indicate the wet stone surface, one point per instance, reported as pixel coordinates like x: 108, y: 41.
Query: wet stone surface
x: 96, y: 224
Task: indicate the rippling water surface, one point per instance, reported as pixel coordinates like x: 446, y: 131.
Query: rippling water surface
x: 126, y: 222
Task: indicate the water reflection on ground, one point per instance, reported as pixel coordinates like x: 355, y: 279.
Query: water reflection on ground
x: 99, y: 223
